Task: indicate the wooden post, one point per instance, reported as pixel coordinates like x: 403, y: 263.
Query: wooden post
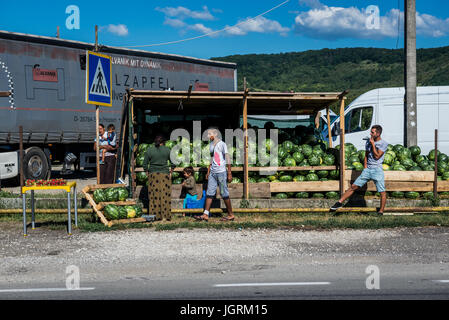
x: 435, y: 181
x: 245, y: 141
x: 329, y: 134
x: 21, y: 157
x: 97, y: 119
x: 342, y: 146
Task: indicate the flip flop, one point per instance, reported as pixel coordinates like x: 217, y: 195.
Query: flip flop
x: 200, y: 218
x: 227, y: 219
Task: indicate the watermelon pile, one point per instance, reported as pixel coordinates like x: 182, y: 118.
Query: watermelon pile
x: 110, y: 195
x: 114, y: 212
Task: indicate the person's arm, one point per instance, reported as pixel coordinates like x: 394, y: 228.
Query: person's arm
x: 376, y: 152
x: 228, y: 166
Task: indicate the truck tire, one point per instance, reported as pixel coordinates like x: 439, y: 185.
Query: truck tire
x: 35, y: 164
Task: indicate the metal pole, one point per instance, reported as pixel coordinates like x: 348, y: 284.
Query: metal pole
x: 21, y: 156
x: 410, y: 108
x: 435, y: 181
x: 69, y: 217
x: 32, y: 210
x: 76, y: 207
x: 24, y: 214
x: 245, y: 142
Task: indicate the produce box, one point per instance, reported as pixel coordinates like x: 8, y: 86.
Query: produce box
x: 110, y: 203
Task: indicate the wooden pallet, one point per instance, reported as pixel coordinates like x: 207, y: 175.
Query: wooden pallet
x: 98, y: 207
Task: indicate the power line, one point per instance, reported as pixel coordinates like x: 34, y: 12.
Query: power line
x: 210, y: 33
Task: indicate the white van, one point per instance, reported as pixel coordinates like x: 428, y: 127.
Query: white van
x: 385, y: 106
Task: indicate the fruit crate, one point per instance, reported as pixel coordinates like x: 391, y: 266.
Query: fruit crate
x: 98, y: 207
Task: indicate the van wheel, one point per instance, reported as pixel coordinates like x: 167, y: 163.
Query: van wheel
x: 35, y: 164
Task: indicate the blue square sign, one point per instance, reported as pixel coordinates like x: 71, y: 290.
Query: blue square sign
x: 98, y: 79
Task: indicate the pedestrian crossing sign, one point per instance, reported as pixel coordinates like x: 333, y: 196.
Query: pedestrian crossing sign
x: 98, y: 79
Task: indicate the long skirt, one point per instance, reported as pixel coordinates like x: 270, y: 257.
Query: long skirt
x: 159, y: 195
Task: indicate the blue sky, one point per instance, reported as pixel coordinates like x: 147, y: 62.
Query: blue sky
x: 297, y: 25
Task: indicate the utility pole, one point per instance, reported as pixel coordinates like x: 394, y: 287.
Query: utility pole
x: 97, y: 119
x: 410, y: 108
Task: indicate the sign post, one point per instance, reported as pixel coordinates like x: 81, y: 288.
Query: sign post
x: 98, y: 87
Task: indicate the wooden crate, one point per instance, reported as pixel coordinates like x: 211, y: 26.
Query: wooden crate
x: 98, y: 207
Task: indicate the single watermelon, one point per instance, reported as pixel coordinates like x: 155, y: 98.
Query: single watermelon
x: 289, y: 162
x: 312, y: 177
x: 111, y: 212
x: 307, y: 150
x: 407, y: 162
x: 111, y: 194
x: 442, y: 168
x: 317, y: 195
x: 415, y: 151
x: 236, y: 180
x: 141, y: 177
x: 139, y: 160
x: 122, y: 212
x: 386, y: 167
x: 322, y: 173
x: 286, y: 178
x: 281, y: 195
x: 299, y: 178
x: 334, y: 174
x: 282, y: 153
x: 99, y: 196
x: 131, y: 212
x: 298, y: 156
x: 314, y: 160
x: 358, y: 166
x: 419, y: 158
x: 415, y: 168
x: 431, y: 155
x: 443, y: 158
x: 143, y: 147
x: 397, y: 194
x: 329, y: 159
x: 332, y: 195
x: 122, y: 194
x: 428, y: 195
x: 302, y: 195
x: 445, y: 176
x: 288, y: 146
x: 412, y: 195
x: 263, y: 180
x: 398, y: 167
x: 397, y: 148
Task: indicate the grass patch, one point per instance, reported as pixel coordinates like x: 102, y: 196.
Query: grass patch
x: 294, y: 221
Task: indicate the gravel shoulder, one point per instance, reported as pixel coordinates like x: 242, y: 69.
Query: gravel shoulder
x: 45, y: 254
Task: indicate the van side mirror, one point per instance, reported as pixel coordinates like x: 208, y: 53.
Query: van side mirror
x: 336, y: 129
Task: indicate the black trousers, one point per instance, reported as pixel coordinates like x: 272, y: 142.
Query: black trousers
x: 107, y: 170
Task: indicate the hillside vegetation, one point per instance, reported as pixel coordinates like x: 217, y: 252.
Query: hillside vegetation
x: 355, y: 69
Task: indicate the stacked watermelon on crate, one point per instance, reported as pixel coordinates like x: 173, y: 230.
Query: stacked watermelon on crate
x: 112, y: 205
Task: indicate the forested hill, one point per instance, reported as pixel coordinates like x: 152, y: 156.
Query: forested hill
x: 355, y: 69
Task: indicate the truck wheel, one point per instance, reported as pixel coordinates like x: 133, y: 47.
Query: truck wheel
x: 35, y: 164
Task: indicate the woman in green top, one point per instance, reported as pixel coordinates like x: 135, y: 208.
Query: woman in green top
x: 159, y: 179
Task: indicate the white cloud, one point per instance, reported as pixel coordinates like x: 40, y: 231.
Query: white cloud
x: 332, y: 23
x: 176, y: 23
x: 260, y: 25
x: 200, y: 28
x: 184, y: 13
x: 119, y: 29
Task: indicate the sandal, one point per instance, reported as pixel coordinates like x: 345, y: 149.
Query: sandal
x: 201, y: 218
x: 227, y: 219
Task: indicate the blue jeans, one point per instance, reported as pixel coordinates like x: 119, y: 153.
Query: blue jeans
x: 375, y: 174
x: 215, y: 180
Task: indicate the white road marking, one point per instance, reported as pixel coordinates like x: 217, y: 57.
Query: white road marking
x: 43, y: 290
x: 441, y: 281
x: 271, y: 284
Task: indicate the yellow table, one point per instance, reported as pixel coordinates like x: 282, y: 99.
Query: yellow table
x: 68, y: 187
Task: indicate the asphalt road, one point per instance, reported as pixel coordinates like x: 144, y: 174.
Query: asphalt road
x: 225, y: 264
